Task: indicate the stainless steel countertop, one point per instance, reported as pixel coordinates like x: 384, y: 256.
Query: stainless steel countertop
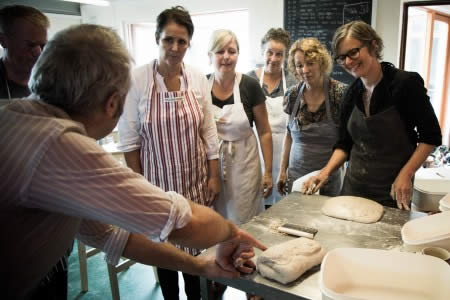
x: 332, y: 233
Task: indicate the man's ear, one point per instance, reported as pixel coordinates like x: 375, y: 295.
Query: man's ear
x: 3, y: 40
x: 113, y: 105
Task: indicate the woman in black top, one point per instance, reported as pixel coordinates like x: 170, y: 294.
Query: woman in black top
x: 388, y: 126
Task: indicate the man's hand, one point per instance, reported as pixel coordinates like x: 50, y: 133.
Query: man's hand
x: 211, y: 269
x: 236, y: 253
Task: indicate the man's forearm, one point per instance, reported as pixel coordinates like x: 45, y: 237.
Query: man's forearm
x: 205, y: 229
x: 163, y: 255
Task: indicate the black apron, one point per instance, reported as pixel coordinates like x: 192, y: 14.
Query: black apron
x: 381, y: 148
x: 312, y: 146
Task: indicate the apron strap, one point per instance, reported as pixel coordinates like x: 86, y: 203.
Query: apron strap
x: 283, y: 78
x: 294, y: 112
x: 326, y: 85
x: 236, y: 92
x: 183, y: 74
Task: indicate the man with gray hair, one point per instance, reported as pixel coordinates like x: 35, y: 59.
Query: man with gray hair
x: 23, y: 34
x: 57, y: 183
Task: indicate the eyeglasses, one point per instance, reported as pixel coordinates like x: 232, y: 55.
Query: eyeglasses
x: 352, y: 54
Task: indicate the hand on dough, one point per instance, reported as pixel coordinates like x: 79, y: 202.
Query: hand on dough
x: 236, y: 253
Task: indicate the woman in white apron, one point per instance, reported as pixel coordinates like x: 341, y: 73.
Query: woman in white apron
x: 167, y: 130
x: 274, y: 81
x: 238, y: 102
x: 313, y: 107
x: 388, y: 125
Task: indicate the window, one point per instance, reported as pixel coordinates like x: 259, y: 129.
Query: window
x: 427, y: 52
x: 141, y: 39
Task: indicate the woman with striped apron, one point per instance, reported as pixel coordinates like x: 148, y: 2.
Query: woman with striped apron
x: 173, y: 156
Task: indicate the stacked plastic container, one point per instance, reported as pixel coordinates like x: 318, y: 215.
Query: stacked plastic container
x: 430, y: 185
x: 444, y: 203
x: 429, y: 231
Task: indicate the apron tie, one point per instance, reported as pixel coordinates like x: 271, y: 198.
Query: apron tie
x: 226, y: 149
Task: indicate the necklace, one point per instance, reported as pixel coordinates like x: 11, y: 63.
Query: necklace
x: 7, y: 88
x: 367, y: 95
x: 5, y: 77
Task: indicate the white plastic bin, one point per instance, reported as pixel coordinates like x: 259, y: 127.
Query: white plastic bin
x: 430, y: 185
x: 444, y: 203
x: 428, y: 231
x: 370, y: 274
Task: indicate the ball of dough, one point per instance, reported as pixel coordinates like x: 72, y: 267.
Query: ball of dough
x: 287, y: 261
x: 352, y: 208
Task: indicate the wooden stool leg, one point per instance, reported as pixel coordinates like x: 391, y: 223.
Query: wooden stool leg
x: 156, y: 275
x: 114, y: 283
x: 82, y: 258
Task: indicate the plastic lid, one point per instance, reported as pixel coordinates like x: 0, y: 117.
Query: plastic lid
x: 433, y: 186
x: 442, y: 208
x: 427, y: 229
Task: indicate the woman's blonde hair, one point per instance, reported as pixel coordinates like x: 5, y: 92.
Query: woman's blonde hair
x: 313, y: 50
x: 220, y: 38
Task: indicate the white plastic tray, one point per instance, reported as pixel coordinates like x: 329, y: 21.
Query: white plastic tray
x: 356, y: 274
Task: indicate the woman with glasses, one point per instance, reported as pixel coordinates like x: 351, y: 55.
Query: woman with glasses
x: 388, y: 126
x: 167, y: 129
x: 274, y: 81
x: 313, y: 106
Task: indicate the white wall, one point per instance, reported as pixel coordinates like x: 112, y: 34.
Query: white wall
x: 263, y: 14
x: 60, y: 21
x: 388, y: 26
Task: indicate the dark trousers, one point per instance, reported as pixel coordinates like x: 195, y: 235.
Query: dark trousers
x: 54, y: 285
x: 168, y: 281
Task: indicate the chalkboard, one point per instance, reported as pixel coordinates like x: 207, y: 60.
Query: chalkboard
x: 321, y: 18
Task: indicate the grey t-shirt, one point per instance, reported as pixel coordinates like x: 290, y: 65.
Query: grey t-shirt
x: 278, y: 91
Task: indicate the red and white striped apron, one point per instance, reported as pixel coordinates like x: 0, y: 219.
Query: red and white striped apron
x: 173, y: 156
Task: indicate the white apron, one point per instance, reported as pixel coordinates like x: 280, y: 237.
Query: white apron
x: 277, y: 121
x: 240, y: 170
x: 172, y: 153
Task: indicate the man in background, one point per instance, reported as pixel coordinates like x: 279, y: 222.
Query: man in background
x: 23, y: 35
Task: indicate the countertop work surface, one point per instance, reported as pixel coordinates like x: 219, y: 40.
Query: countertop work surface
x: 332, y: 233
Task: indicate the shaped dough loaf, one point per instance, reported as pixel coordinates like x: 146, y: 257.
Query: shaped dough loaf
x: 288, y: 261
x: 352, y: 208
